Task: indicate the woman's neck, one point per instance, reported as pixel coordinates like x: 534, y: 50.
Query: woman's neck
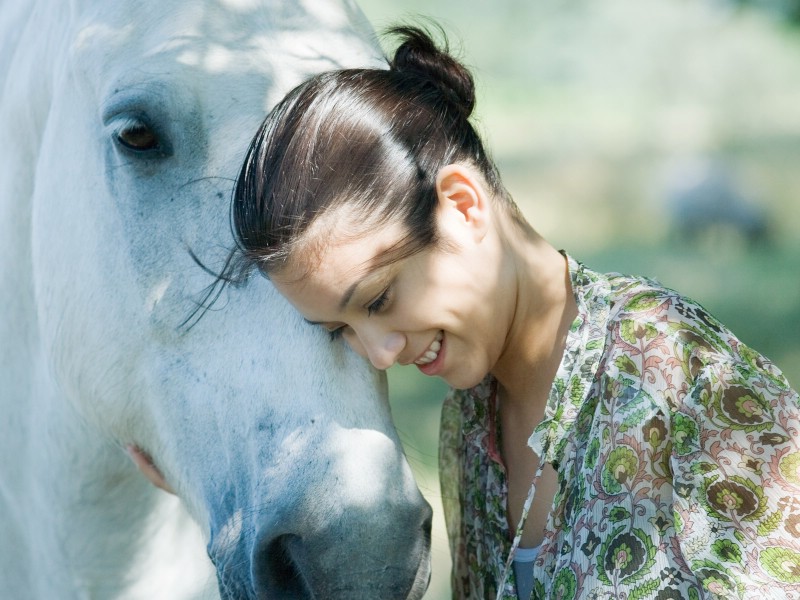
x: 544, y: 310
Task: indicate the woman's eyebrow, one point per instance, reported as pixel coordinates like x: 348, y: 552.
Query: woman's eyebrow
x: 375, y: 263
x: 346, y: 297
x: 348, y: 294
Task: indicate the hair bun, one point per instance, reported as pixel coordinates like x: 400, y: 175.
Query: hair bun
x: 419, y: 54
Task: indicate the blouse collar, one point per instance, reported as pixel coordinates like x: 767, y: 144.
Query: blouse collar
x: 579, y: 364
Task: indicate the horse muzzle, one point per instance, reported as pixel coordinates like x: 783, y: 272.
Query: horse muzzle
x: 358, y: 556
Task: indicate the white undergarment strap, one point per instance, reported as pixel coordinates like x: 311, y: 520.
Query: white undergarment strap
x: 527, y: 555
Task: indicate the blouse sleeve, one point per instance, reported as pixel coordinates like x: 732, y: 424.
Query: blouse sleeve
x: 450, y: 469
x: 736, y: 468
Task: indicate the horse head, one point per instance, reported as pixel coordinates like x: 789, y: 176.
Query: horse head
x: 124, y: 125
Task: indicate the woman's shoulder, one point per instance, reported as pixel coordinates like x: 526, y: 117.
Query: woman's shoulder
x: 625, y: 295
x: 659, y: 321
x: 641, y: 295
x: 643, y: 307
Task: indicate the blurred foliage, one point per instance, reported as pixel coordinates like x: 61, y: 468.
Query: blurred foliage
x: 608, y: 120
x: 788, y: 10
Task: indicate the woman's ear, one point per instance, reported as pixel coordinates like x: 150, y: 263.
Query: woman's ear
x: 462, y: 199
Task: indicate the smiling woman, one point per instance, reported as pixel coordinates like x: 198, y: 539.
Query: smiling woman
x: 607, y: 417
x: 417, y: 309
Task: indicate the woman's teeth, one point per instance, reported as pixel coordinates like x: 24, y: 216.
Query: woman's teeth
x: 432, y: 352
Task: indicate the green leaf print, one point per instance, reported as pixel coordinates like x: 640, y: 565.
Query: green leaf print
x: 559, y: 386
x: 739, y: 408
x: 790, y: 467
x: 626, y: 556
x: 646, y: 590
x: 703, y: 467
x: 592, y: 453
x: 677, y: 520
x: 620, y: 468
x: 697, y: 335
x: 624, y: 363
x: 626, y: 331
x: 759, y: 364
x: 565, y: 585
x: 633, y: 420
x: 734, y: 495
x: 685, y: 434
x: 576, y: 391
x: 644, y: 301
x: 770, y: 524
x: 727, y: 550
x: 605, y: 550
x: 619, y: 513
x: 633, y: 332
x: 714, y: 577
x: 595, y: 344
x: 782, y: 563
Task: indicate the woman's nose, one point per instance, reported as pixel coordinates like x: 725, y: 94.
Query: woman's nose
x: 381, y: 348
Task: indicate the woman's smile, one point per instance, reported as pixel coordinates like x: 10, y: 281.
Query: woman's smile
x: 432, y: 352
x: 430, y: 363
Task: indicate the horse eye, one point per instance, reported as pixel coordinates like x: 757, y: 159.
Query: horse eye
x: 138, y: 136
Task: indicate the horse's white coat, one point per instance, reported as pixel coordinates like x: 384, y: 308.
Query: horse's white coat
x: 260, y: 424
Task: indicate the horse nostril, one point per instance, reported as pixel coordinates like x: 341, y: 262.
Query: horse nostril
x: 427, y: 528
x: 341, y: 562
x: 278, y: 566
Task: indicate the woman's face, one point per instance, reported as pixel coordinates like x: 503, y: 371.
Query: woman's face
x: 441, y: 309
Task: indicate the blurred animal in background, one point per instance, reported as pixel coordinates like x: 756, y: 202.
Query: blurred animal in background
x: 122, y: 127
x: 707, y: 202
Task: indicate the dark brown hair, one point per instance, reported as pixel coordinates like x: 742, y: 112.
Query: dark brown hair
x: 371, y: 139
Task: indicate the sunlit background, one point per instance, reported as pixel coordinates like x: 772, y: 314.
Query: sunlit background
x: 655, y: 137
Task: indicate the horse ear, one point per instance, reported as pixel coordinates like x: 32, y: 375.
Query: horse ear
x: 145, y: 464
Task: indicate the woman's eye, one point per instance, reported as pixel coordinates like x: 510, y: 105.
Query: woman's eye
x: 379, y: 302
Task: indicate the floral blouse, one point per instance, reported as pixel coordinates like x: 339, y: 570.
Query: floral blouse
x: 677, y: 449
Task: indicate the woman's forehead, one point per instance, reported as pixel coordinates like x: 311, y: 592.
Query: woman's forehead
x: 322, y: 285
x: 341, y: 246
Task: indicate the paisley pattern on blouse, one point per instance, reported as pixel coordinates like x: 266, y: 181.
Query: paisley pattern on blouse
x: 677, y: 449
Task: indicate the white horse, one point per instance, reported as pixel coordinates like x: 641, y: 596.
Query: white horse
x: 122, y: 125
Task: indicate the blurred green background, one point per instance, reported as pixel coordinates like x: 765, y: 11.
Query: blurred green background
x: 655, y: 137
